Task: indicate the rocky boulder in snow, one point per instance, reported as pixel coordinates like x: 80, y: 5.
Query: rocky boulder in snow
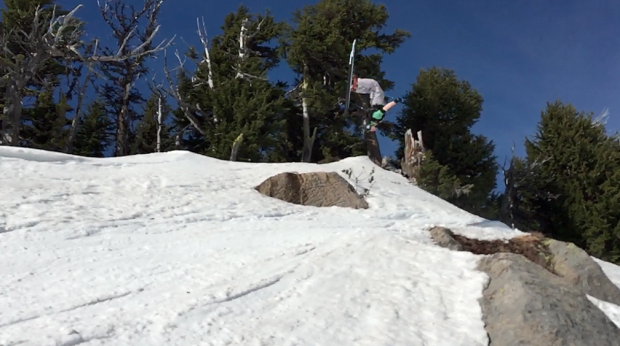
x: 537, y: 291
x: 578, y: 268
x: 524, y: 304
x: 319, y: 189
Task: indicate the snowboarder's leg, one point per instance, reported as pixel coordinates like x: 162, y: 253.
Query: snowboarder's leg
x: 391, y: 104
x: 376, y: 116
x: 379, y: 113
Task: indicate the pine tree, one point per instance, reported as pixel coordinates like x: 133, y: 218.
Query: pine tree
x: 46, y: 123
x: 582, y: 169
x: 318, y: 51
x: 445, y: 108
x: 95, y: 133
x: 242, y: 99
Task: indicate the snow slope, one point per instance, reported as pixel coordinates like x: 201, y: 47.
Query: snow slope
x: 179, y: 249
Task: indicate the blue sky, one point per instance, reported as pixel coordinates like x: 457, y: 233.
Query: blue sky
x: 518, y: 54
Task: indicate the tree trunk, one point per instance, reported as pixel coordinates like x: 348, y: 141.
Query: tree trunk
x: 308, y: 140
x: 159, y: 121
x: 75, y: 124
x: 413, y: 155
x: 14, y: 112
x: 372, y: 147
x: 122, y: 124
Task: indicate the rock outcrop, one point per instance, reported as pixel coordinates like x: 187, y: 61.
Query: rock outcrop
x: 537, y: 291
x: 578, y: 268
x: 525, y: 304
x: 319, y: 189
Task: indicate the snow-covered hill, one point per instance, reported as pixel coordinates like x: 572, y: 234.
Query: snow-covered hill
x: 179, y: 249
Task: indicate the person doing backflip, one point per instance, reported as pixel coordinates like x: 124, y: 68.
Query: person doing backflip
x: 377, y: 97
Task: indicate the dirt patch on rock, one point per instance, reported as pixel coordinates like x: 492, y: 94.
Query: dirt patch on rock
x: 531, y: 246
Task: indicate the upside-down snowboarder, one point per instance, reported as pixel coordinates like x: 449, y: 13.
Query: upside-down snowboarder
x: 377, y: 97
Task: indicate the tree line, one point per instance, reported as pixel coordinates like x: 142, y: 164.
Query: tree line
x: 62, y: 92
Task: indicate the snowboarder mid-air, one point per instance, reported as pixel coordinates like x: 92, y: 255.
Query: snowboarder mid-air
x: 378, y: 107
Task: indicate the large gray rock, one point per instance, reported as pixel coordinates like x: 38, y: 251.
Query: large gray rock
x: 319, y: 189
x: 445, y: 238
x: 578, y: 268
x: 525, y: 304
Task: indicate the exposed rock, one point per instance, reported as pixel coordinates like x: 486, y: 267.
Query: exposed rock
x: 564, y: 259
x: 319, y: 189
x: 445, y: 238
x: 578, y: 268
x: 537, y: 290
x: 524, y: 304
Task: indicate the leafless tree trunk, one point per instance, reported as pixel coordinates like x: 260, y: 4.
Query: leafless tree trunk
x: 75, y: 123
x: 517, y: 178
x: 159, y: 122
x: 202, y: 34
x: 306, y: 154
x: 244, y: 36
x: 190, y: 111
x: 413, y: 156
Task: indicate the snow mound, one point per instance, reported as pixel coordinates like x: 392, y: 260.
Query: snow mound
x: 179, y: 249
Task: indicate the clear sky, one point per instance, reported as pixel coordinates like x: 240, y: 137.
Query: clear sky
x: 518, y: 54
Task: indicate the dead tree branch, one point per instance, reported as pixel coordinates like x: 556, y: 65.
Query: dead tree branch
x: 75, y: 123
x: 202, y: 34
x: 244, y: 36
x: 173, y: 90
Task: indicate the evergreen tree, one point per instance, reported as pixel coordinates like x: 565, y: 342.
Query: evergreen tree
x: 46, y: 123
x: 582, y: 169
x: 241, y: 98
x: 318, y: 51
x: 146, y: 133
x: 445, y: 108
x: 95, y: 133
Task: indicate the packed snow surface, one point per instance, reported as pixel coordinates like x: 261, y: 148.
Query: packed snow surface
x: 179, y: 249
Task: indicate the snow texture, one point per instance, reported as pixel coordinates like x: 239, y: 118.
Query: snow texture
x: 179, y: 249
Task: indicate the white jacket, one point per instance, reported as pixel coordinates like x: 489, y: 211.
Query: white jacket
x: 372, y: 87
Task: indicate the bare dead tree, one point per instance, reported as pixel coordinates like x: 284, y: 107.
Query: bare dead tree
x: 306, y: 153
x: 44, y: 39
x: 244, y: 51
x: 191, y: 112
x: 413, y: 156
x: 517, y: 179
x: 75, y: 123
x: 123, y: 75
x: 202, y: 34
x: 158, y: 90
